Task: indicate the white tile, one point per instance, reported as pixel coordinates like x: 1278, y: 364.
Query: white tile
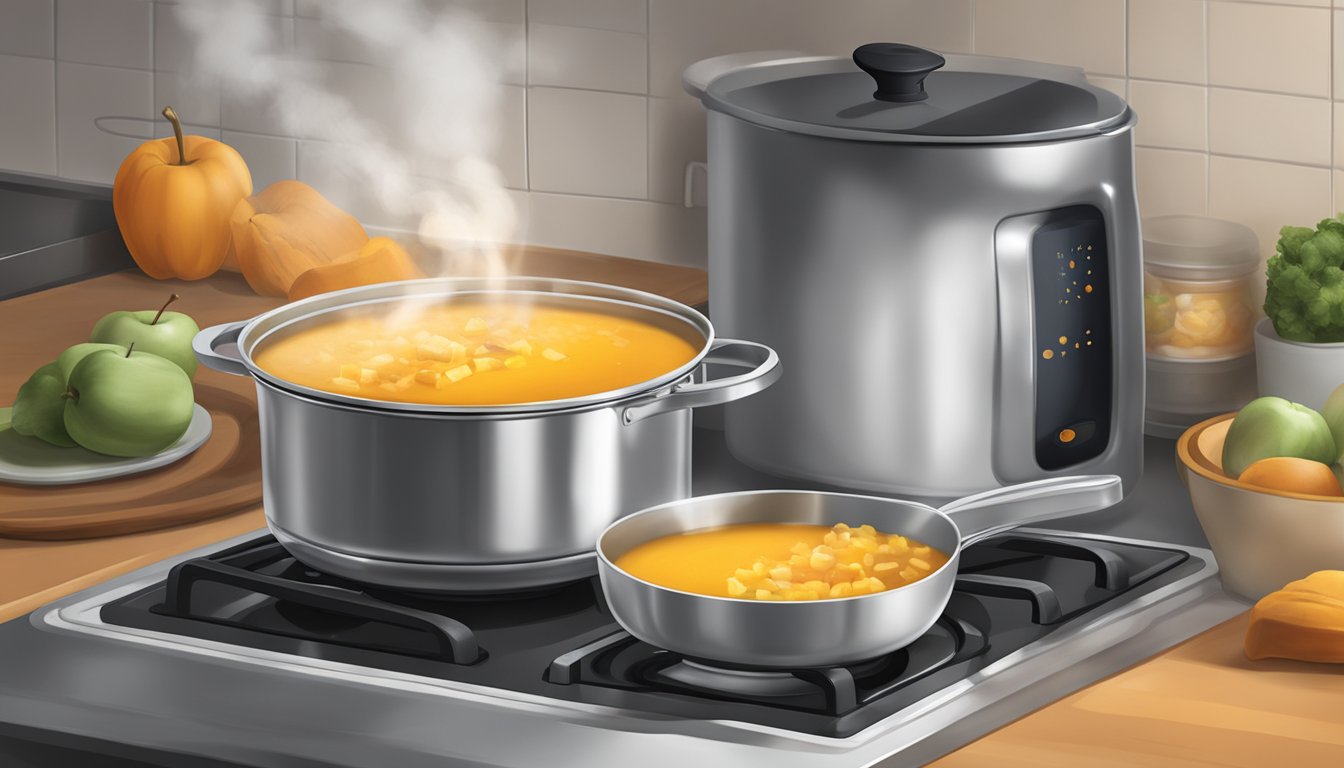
x: 587, y: 143
x: 631, y: 228
x: 175, y: 43
x: 269, y: 159
x: 618, y: 15
x: 1171, y: 182
x: 1269, y: 126
x: 28, y: 121
x: 1266, y: 196
x: 682, y: 32
x: 85, y: 93
x: 251, y: 110
x: 1170, y: 115
x: 579, y: 57
x: 27, y: 27
x: 115, y: 33
x: 509, y: 153
x: 1337, y: 177
x: 1166, y: 40
x: 676, y: 138
x: 1081, y: 33
x: 1338, y: 55
x: 333, y: 170
x: 1285, y: 49
x: 195, y: 100
x: 1337, y: 127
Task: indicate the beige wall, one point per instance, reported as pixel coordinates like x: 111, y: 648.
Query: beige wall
x: 1237, y: 117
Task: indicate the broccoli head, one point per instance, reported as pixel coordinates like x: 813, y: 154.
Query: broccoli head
x: 1304, y: 295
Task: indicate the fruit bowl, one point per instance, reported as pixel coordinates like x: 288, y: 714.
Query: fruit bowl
x: 1262, y: 538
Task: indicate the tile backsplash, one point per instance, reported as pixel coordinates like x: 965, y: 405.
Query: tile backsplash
x: 1235, y: 98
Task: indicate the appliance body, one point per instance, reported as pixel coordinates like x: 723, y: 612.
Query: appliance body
x: 938, y: 341
x: 472, y: 498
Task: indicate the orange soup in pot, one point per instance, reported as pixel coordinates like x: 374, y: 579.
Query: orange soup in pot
x: 477, y: 353
x: 782, y: 561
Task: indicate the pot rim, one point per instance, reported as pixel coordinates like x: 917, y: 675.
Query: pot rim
x: 260, y: 327
x: 606, y: 562
x: 1264, y: 328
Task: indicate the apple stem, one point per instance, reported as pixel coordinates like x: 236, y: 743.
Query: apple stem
x: 71, y: 393
x: 177, y: 133
x: 170, y: 300
x: 130, y: 348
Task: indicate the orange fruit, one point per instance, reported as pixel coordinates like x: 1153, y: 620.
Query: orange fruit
x: 1288, y: 473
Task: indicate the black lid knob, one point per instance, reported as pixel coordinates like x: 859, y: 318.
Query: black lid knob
x: 899, y: 69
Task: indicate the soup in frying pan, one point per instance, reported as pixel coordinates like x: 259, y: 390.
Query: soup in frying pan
x: 479, y: 353
x: 782, y: 561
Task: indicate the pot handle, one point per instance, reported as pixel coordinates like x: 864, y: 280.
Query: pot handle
x: 205, y: 341
x: 990, y: 513
x: 762, y: 361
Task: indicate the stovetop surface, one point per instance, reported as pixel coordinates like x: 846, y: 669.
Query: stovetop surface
x: 563, y: 644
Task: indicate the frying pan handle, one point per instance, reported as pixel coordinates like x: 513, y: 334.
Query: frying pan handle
x: 995, y: 511
x: 762, y: 361
x: 205, y: 341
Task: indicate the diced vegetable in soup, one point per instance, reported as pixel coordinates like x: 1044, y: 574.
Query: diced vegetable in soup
x: 478, y: 353
x: 781, y: 561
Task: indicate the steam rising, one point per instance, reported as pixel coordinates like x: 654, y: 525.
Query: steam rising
x: 416, y: 148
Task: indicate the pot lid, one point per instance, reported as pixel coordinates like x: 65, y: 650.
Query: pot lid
x: 901, y: 93
x: 1199, y: 248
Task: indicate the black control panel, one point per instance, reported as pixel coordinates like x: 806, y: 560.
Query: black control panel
x: 1071, y: 293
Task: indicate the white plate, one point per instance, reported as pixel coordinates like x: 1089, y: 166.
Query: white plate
x: 30, y: 461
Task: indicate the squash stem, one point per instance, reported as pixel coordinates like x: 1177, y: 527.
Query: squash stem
x: 170, y: 300
x: 177, y: 133
x: 130, y: 349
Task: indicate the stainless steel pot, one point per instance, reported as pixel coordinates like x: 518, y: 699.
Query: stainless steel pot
x: 820, y: 633
x: 951, y: 266
x: 472, y: 499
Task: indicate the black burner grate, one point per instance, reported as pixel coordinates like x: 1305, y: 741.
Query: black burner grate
x: 563, y: 644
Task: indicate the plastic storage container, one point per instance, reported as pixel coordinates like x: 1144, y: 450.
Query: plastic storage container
x: 1199, y: 319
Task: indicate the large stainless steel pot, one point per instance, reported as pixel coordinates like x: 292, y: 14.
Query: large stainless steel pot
x: 818, y: 633
x: 951, y: 266
x: 467, y: 499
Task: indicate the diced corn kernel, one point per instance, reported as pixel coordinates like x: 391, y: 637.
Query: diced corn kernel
x: 875, y: 584
x: 763, y: 594
x: 909, y: 574
x: 899, y: 545
x: 521, y: 347
x: 829, y: 539
x: 859, y: 586
x: 798, y: 561
x: 821, y: 561
x: 405, y: 382
x: 922, y: 565
x: 815, y: 585
x: 517, y: 361
x: 869, y: 561
x: 843, y: 589
x: 759, y: 568
x: 476, y: 325
x: 736, y: 588
x: 840, y: 527
x: 457, y: 374
x: 426, y: 377
x: 431, y: 352
x: 863, y: 544
x: 768, y: 584
x: 368, y: 376
x: 346, y: 383
x: 781, y: 573
x: 884, y: 549
x: 884, y: 567
x: 800, y: 549
x: 380, y: 360
x: 349, y: 371
x: 923, y: 551
x: 554, y: 355
x: 481, y: 350
x: 745, y: 575
x: 487, y: 364
x: 867, y: 531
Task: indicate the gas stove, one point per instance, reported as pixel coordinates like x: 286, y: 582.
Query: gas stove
x: 244, y: 654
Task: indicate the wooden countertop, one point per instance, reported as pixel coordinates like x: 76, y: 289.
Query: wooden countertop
x: 1199, y: 703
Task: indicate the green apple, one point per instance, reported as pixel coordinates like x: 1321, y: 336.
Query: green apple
x: 163, y: 333
x: 39, y: 409
x: 1271, y: 426
x: 134, y: 404
x: 68, y: 359
x: 1334, y: 417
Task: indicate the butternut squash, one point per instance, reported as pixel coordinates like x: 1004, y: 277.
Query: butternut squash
x: 380, y: 260
x: 287, y: 229
x: 172, y: 199
x: 1302, y: 621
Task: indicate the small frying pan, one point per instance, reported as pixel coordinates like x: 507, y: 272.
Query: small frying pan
x: 817, y: 633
